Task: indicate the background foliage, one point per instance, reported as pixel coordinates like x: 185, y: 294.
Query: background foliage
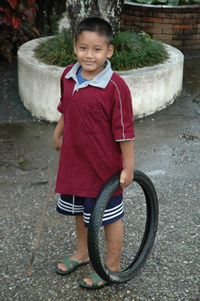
x: 48, y: 14
x: 23, y: 20
x: 16, y: 25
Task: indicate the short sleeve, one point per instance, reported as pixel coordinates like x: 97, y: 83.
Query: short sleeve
x: 122, y: 116
x: 60, y: 105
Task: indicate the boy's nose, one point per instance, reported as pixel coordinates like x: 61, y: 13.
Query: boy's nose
x: 89, y: 53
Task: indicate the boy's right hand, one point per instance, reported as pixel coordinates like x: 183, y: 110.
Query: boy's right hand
x: 58, y: 133
x: 57, y: 142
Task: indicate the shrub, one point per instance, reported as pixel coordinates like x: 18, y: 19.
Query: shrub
x: 132, y: 50
x: 48, y: 15
x: 16, y: 25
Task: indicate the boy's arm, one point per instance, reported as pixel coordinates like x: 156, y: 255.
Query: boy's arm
x: 58, y: 133
x: 127, y: 149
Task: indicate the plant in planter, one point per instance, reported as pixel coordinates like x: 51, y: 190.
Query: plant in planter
x: 131, y: 51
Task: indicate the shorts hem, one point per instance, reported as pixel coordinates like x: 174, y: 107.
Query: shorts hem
x: 63, y: 212
x: 110, y: 221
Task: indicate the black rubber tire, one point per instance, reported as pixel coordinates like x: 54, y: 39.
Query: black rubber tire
x: 148, y: 237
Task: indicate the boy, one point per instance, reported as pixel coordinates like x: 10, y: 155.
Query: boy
x: 95, y: 133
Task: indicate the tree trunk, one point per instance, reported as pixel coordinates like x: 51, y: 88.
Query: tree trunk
x: 110, y: 10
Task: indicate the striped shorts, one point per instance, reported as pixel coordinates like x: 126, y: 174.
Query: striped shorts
x: 75, y: 205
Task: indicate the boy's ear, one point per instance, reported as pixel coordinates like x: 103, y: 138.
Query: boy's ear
x: 74, y: 44
x: 110, y: 51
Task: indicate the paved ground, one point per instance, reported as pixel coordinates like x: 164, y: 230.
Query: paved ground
x: 167, y: 149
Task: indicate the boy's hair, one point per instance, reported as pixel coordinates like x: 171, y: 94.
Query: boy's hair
x: 94, y: 24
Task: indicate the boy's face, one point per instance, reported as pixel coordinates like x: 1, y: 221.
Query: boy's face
x: 92, y: 50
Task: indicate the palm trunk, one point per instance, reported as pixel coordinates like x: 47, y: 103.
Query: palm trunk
x: 109, y: 10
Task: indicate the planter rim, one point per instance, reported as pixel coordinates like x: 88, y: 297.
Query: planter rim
x: 39, y: 84
x: 161, y: 6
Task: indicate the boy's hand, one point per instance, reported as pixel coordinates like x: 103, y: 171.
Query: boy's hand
x: 126, y: 178
x: 58, y: 133
x: 57, y: 142
x: 127, y: 149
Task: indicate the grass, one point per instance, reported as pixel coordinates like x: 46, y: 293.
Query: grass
x: 132, y: 51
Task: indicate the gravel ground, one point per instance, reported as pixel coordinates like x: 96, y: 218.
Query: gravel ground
x: 167, y: 149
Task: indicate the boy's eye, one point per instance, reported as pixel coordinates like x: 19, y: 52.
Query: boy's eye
x: 98, y: 49
x: 82, y: 47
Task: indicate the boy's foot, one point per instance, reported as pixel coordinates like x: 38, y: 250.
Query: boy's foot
x: 67, y: 266
x: 93, y: 282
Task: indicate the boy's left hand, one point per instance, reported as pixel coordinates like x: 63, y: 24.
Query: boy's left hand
x: 126, y: 177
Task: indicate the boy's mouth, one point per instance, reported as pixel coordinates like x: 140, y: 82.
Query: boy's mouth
x: 89, y: 62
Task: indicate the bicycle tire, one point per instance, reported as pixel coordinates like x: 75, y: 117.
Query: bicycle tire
x: 149, y: 233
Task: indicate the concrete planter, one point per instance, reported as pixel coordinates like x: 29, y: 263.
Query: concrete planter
x: 152, y: 88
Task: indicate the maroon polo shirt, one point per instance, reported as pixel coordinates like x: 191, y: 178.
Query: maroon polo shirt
x: 97, y: 116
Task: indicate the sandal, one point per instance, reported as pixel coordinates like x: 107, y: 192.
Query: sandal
x: 68, y: 263
x: 96, y: 278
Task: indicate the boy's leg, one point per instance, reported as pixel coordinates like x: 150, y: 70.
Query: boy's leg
x: 114, y: 242
x: 81, y: 253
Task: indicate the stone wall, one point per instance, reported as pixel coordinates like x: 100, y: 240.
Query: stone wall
x: 174, y: 25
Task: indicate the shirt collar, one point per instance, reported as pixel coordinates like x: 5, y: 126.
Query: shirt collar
x: 101, y: 80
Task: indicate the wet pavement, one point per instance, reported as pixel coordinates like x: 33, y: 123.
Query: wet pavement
x: 167, y: 149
